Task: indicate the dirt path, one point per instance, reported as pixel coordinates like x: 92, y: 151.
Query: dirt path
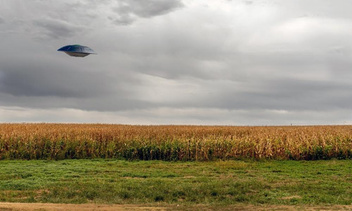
x: 7, y: 206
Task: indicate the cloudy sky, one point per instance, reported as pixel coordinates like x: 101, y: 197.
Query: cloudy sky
x: 221, y: 62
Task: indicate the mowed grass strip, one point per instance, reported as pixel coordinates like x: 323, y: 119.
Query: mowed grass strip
x: 215, y: 183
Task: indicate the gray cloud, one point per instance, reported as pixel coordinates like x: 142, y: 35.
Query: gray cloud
x: 129, y: 10
x: 58, y: 29
x: 43, y: 81
x: 290, y: 95
x: 66, y: 82
x: 248, y: 2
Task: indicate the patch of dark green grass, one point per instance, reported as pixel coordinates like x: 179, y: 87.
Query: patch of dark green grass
x: 209, y: 183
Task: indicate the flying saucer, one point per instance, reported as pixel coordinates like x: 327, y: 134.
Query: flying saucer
x: 77, y: 50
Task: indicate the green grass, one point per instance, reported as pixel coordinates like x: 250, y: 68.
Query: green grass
x: 186, y: 183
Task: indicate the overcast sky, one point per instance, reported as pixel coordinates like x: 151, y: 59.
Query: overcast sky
x: 221, y: 62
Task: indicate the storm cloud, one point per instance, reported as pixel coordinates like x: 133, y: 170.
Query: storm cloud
x: 233, y: 62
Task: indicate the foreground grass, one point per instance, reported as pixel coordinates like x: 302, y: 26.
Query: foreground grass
x: 185, y: 183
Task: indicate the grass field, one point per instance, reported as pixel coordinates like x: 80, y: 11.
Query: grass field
x: 213, y: 183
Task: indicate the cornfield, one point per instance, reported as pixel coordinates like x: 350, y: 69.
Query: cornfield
x: 172, y: 143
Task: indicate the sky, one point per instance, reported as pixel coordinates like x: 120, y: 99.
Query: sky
x: 223, y: 62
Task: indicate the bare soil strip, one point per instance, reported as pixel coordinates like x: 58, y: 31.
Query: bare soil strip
x: 7, y: 206
x: 73, y: 207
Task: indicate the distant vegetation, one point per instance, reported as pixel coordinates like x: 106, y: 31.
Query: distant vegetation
x: 173, y: 143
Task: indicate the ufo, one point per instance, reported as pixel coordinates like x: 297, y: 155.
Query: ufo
x: 77, y: 50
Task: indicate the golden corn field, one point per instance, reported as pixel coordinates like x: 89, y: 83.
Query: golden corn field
x: 75, y: 141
